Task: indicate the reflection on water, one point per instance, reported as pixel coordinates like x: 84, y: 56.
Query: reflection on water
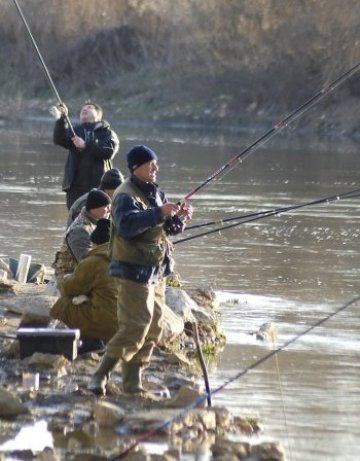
x: 35, y: 437
x: 292, y: 269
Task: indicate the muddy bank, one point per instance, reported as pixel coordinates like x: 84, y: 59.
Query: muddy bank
x: 326, y: 121
x: 53, y: 401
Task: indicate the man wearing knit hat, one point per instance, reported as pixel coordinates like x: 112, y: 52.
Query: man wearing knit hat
x: 110, y: 180
x: 142, y: 220
x: 76, y: 243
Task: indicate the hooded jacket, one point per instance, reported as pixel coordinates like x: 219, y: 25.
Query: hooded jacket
x: 96, y: 317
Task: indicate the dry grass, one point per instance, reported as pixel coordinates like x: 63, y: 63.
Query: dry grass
x: 196, y: 56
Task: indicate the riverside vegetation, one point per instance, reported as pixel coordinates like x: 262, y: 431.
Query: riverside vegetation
x: 234, y: 63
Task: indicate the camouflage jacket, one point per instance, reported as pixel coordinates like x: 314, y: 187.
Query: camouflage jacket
x: 75, y: 245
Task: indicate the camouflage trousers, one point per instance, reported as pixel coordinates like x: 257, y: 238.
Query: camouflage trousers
x: 64, y: 264
x: 139, y: 312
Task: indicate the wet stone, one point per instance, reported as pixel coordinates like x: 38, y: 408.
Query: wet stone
x: 86, y: 427
x: 11, y: 405
x: 108, y: 414
x: 185, y: 396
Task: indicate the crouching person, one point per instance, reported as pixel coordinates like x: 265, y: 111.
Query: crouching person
x: 76, y: 242
x: 89, y: 295
x: 142, y: 219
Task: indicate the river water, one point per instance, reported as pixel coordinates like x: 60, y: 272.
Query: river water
x: 293, y: 270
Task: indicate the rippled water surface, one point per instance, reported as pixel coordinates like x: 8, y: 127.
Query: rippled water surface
x: 293, y: 270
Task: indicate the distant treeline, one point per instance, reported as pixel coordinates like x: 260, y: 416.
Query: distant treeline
x: 195, y: 58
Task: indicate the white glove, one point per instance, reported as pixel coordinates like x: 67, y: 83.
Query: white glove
x: 54, y: 111
x: 79, y: 299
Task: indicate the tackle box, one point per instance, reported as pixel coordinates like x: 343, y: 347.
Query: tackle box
x: 48, y: 341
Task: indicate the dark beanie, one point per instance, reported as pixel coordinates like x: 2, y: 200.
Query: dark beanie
x: 139, y: 155
x: 101, y: 233
x: 111, y: 179
x: 96, y: 199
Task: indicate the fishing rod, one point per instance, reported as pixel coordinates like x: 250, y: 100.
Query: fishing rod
x: 202, y: 362
x: 257, y: 213
x: 230, y: 164
x: 234, y: 218
x: 47, y: 74
x: 240, y: 374
x: 264, y: 214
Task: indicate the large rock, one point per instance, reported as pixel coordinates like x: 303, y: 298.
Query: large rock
x: 173, y: 326
x: 34, y: 310
x: 37, y: 304
x: 186, y: 396
x: 48, y: 362
x: 184, y: 306
x: 180, y: 303
x: 10, y: 405
x: 107, y: 414
x: 273, y: 451
x: 145, y: 420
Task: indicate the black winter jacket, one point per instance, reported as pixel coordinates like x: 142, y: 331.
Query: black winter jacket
x: 83, y: 169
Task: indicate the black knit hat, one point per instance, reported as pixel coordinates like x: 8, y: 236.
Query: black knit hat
x: 111, y: 179
x: 139, y: 155
x: 96, y: 199
x: 101, y: 233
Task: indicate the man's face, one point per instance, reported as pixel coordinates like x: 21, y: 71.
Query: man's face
x: 147, y: 171
x: 101, y: 212
x: 89, y: 114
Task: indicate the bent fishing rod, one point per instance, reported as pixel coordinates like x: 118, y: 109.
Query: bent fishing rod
x: 43, y: 65
x: 264, y: 214
x: 280, y: 125
x: 200, y: 400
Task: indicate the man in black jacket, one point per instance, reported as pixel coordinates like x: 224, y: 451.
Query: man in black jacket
x: 91, y: 150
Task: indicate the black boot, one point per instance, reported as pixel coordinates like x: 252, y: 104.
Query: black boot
x: 97, y: 384
x: 131, y: 378
x: 90, y: 345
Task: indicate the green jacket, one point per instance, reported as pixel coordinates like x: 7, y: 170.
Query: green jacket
x: 147, y: 248
x: 96, y: 317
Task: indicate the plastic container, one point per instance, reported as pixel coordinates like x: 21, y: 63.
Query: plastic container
x: 23, y: 268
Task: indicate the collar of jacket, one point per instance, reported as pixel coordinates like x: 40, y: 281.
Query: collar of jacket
x: 88, y: 215
x: 95, y: 125
x: 148, y: 188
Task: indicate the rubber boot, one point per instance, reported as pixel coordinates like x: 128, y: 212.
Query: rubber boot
x: 131, y: 378
x: 97, y: 384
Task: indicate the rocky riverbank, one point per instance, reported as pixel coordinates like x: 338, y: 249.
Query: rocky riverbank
x: 46, y: 394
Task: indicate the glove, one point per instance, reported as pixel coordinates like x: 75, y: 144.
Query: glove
x: 59, y: 110
x: 54, y: 111
x: 79, y: 299
x: 62, y: 108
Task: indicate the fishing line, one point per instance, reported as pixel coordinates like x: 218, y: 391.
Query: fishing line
x: 233, y: 161
x: 264, y: 214
x: 254, y: 365
x: 47, y: 74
